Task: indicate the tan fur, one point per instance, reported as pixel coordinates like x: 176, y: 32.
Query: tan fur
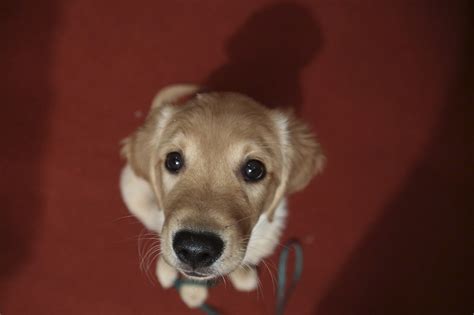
x: 216, y: 133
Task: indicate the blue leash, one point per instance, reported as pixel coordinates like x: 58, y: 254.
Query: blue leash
x: 283, y: 293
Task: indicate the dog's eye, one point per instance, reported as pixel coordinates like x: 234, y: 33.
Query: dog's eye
x: 253, y: 170
x: 174, y: 162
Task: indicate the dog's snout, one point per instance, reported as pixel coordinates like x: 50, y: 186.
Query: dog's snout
x: 197, y: 249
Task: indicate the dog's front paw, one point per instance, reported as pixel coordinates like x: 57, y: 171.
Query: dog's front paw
x: 244, y: 279
x: 193, y: 295
x: 166, y: 274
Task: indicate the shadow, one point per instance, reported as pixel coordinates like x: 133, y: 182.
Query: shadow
x: 418, y: 258
x: 26, y: 29
x: 266, y: 55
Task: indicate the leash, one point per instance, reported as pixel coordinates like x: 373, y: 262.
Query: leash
x: 283, y: 293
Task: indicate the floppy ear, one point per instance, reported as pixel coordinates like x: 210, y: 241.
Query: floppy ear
x: 302, y: 157
x: 305, y: 156
x: 138, y: 148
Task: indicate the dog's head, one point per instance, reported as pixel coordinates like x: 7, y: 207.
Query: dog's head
x: 216, y: 164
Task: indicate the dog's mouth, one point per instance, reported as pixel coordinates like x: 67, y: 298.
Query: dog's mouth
x: 196, y: 275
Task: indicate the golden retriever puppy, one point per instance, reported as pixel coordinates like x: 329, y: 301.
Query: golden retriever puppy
x: 209, y: 174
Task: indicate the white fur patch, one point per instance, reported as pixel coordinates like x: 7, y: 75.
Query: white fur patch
x: 166, y: 274
x: 193, y: 295
x: 244, y: 279
x: 266, y: 235
x: 140, y: 200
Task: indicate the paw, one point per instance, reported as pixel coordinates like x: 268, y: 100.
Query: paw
x: 244, y: 279
x: 193, y: 295
x: 166, y: 274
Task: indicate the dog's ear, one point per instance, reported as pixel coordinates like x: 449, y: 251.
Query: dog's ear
x: 138, y: 148
x: 302, y: 156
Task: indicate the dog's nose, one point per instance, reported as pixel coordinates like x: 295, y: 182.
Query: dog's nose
x: 197, y: 249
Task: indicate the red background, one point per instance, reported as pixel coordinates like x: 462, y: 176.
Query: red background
x: 387, y: 86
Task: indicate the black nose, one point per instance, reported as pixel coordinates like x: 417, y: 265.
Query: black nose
x: 197, y: 249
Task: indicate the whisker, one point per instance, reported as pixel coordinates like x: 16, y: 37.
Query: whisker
x: 223, y: 278
x: 123, y: 218
x: 240, y: 220
x: 148, y: 246
x: 271, y: 275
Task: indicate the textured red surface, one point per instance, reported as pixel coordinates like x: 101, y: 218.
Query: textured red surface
x: 387, y: 85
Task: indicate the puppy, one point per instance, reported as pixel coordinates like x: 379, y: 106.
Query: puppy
x: 209, y: 174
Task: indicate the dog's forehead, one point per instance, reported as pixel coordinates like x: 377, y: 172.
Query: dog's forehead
x: 223, y: 118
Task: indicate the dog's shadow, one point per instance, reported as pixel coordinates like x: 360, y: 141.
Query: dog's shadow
x: 267, y: 53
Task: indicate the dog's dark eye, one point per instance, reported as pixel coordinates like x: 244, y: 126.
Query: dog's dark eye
x: 174, y: 162
x: 253, y: 170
